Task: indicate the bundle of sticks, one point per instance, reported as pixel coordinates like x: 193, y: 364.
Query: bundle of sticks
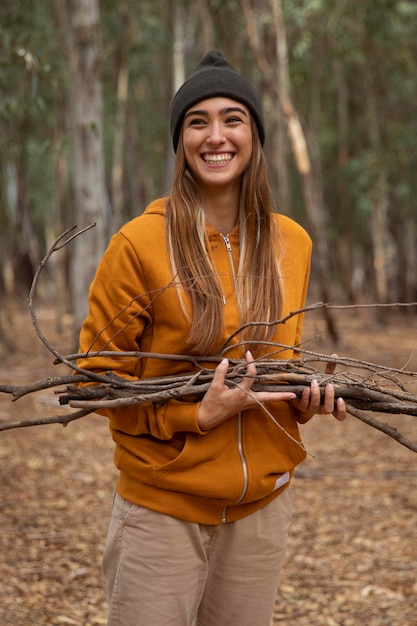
x: 366, y: 387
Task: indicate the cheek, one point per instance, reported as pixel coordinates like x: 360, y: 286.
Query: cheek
x: 190, y: 138
x: 190, y: 148
x: 190, y: 158
x: 250, y: 151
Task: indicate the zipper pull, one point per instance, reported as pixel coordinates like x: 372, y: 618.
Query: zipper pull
x: 227, y: 242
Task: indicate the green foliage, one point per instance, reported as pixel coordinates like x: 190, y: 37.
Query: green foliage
x: 376, y: 45
x: 370, y: 46
x: 30, y: 71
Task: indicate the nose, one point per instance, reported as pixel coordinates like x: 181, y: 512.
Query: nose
x: 216, y: 136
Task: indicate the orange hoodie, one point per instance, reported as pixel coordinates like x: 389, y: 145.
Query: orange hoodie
x: 165, y: 461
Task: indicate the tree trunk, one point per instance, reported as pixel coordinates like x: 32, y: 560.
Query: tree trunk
x: 24, y: 246
x: 117, y: 193
x: 314, y: 209
x: 90, y: 197
x: 384, y: 260
x: 206, y: 27
x: 273, y: 78
x: 135, y: 171
x: 345, y: 248
x: 384, y: 249
x: 410, y: 253
x: 281, y: 147
x: 178, y: 74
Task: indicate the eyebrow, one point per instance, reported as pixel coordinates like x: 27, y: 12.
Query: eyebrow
x: 222, y: 111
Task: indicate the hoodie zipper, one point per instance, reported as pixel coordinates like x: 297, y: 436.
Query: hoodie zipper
x: 228, y: 245
x: 243, y: 462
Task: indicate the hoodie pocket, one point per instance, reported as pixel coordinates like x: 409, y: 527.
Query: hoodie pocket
x: 202, y: 469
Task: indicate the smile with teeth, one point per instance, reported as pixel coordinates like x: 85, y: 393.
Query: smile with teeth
x: 217, y: 159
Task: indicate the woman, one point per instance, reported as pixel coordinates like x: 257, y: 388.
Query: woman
x: 200, y: 518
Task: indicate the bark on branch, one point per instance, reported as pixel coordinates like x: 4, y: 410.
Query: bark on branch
x: 385, y: 394
x: 365, y: 386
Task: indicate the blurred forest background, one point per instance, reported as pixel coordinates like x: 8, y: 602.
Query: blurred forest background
x: 85, y: 92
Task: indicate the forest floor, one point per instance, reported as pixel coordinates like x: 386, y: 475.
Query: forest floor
x: 352, y: 554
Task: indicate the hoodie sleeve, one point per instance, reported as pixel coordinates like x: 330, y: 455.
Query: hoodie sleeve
x: 121, y: 309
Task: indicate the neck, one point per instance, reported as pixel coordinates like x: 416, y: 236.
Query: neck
x: 222, y: 211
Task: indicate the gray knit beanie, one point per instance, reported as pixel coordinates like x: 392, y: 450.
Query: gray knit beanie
x: 212, y: 77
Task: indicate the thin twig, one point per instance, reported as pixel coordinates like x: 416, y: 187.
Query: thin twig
x: 111, y: 391
x: 384, y: 428
x: 55, y: 246
x: 64, y: 420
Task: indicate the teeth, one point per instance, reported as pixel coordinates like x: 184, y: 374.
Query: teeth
x: 217, y: 158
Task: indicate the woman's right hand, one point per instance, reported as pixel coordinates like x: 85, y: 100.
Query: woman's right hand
x: 221, y: 401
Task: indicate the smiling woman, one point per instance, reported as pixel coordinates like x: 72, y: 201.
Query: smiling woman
x: 200, y: 519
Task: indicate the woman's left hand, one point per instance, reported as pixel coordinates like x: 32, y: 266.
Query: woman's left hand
x: 310, y: 402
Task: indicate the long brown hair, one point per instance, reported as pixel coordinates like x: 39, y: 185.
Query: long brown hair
x: 259, y: 289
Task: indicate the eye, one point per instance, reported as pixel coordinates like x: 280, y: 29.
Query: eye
x: 196, y: 122
x: 233, y: 119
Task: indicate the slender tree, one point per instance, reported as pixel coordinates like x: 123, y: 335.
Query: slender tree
x: 120, y: 127
x: 84, y: 52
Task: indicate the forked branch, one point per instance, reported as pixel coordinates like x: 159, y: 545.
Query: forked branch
x: 365, y: 386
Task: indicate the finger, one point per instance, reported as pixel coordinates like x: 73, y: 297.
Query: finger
x: 331, y: 366
x: 315, y: 396
x: 249, y: 379
x: 220, y: 372
x: 328, y: 404
x: 303, y: 403
x: 250, y: 361
x: 341, y: 412
x: 278, y: 396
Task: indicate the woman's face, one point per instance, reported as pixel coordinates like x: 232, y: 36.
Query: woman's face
x: 217, y: 139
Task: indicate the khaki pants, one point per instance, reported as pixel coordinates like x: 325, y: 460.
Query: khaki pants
x: 161, y: 571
